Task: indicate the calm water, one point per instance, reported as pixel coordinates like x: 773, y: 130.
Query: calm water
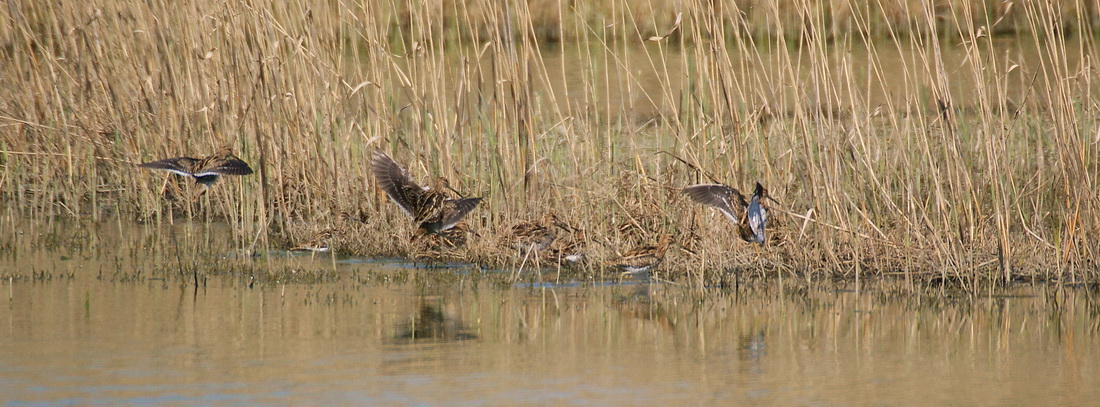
x: 94, y: 319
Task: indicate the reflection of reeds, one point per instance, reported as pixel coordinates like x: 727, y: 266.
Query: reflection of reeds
x: 900, y: 138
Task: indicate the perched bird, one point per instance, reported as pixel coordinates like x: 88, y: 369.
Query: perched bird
x: 751, y: 217
x: 643, y: 258
x: 318, y: 243
x: 534, y: 236
x: 205, y: 170
x: 430, y: 207
x: 569, y: 248
x: 322, y: 241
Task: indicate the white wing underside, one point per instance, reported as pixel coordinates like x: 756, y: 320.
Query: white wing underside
x: 729, y: 214
x: 183, y: 173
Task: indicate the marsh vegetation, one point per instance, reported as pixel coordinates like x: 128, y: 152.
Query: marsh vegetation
x: 935, y: 141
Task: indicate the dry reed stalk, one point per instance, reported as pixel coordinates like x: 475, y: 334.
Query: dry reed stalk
x: 913, y: 136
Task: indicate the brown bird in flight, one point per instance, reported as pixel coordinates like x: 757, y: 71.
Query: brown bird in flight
x: 430, y: 207
x: 203, y: 170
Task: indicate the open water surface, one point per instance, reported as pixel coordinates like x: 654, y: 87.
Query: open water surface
x: 106, y: 314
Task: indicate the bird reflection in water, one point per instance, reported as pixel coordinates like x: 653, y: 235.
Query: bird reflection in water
x: 430, y: 323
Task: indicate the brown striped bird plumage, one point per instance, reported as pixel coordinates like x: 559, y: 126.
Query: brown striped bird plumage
x: 535, y: 236
x: 429, y: 207
x: 643, y: 258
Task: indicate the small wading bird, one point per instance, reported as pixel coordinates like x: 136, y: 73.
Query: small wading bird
x: 570, y: 250
x: 534, y: 236
x: 533, y: 239
x: 430, y: 207
x: 318, y: 243
x: 643, y: 258
x: 549, y: 237
x: 203, y: 170
x: 322, y: 240
x: 751, y: 217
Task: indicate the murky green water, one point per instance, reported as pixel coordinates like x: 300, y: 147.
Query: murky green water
x: 95, y: 318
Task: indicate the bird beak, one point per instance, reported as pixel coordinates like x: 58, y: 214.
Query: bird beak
x: 456, y: 192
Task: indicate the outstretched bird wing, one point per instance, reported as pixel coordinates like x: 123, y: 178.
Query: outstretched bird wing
x: 398, y: 185
x: 176, y: 165
x: 223, y: 165
x: 453, y: 210
x: 726, y: 199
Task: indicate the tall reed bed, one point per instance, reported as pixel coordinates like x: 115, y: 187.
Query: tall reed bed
x: 939, y: 141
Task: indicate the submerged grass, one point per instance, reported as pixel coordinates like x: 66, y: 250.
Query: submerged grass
x: 912, y: 139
